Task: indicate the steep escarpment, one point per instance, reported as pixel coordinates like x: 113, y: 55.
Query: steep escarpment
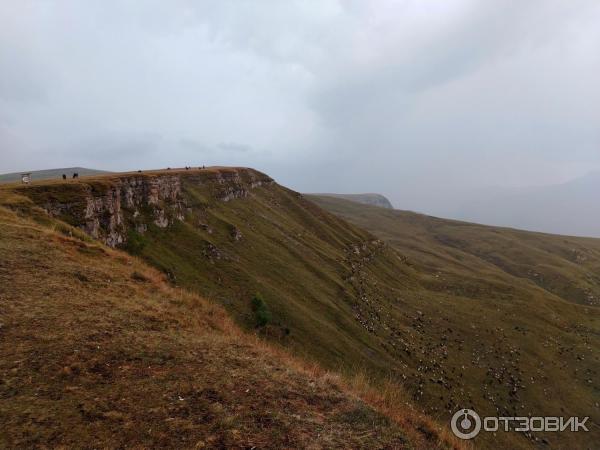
x: 229, y: 233
x: 108, y: 209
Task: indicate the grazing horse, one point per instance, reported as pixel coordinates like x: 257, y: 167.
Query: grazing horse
x: 64, y: 177
x: 75, y: 175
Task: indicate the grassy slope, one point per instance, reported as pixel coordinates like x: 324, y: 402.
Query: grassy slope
x: 296, y: 255
x: 517, y: 311
x: 96, y: 350
x: 567, y: 267
x: 448, y: 326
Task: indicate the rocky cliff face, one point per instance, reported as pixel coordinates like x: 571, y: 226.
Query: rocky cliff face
x: 105, y: 214
x: 108, y: 209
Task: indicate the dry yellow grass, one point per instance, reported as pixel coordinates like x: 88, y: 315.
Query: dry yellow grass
x: 97, y: 350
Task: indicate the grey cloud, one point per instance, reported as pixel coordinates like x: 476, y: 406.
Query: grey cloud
x: 423, y: 101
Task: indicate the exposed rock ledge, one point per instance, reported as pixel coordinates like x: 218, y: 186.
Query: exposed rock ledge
x: 107, y: 208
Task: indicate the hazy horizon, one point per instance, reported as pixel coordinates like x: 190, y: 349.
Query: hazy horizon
x: 427, y: 103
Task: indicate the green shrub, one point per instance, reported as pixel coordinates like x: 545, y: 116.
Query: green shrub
x: 262, y: 315
x: 135, y: 242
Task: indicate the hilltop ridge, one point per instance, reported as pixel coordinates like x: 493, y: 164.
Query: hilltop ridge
x: 47, y: 174
x: 450, y: 313
x: 366, y: 199
x: 109, y: 207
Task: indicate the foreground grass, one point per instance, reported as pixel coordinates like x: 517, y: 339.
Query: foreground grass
x: 97, y: 350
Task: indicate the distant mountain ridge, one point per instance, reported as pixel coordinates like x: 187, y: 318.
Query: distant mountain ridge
x: 366, y: 199
x: 50, y: 173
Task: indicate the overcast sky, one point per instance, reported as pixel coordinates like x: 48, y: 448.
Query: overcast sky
x: 419, y: 100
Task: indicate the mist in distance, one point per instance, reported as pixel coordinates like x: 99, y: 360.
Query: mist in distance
x: 483, y: 111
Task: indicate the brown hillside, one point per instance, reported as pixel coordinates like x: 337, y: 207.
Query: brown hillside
x: 97, y: 351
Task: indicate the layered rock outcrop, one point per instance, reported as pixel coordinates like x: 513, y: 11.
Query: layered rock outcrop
x: 108, y: 209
